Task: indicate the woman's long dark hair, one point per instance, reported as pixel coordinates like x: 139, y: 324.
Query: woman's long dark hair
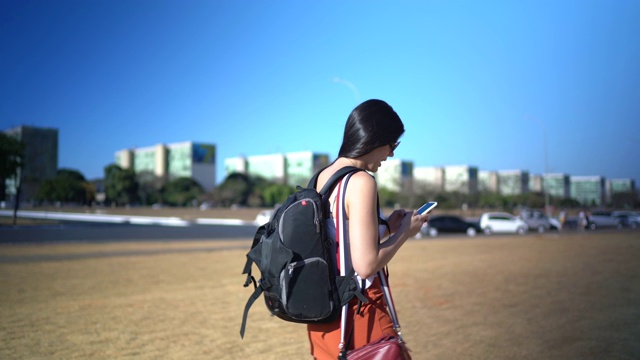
x: 370, y: 125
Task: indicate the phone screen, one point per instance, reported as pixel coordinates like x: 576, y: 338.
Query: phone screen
x: 427, y: 207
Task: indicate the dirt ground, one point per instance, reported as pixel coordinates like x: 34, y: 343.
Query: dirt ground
x: 551, y: 296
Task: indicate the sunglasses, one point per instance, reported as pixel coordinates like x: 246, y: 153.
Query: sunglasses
x: 394, y: 146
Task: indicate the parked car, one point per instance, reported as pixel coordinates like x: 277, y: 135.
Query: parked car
x: 449, y: 224
x: 602, y: 219
x: 498, y: 222
x: 628, y: 219
x: 536, y: 220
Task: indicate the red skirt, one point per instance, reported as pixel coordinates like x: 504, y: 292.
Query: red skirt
x: 372, y: 322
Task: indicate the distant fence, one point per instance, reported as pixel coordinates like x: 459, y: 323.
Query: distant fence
x: 122, y: 219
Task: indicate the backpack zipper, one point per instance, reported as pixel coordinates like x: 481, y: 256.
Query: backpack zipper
x: 303, y: 262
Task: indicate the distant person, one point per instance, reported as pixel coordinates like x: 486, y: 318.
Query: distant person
x: 370, y: 137
x: 582, y: 220
x: 563, y: 218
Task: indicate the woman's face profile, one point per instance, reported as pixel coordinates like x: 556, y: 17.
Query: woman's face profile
x: 377, y: 156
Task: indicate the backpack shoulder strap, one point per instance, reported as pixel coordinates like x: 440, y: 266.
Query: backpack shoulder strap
x: 333, y: 180
x: 330, y: 185
x: 314, y: 179
x: 247, y: 266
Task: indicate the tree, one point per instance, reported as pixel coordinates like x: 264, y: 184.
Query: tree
x: 181, y: 191
x: 11, y: 155
x: 120, y: 184
x: 276, y: 194
x: 235, y: 189
x: 624, y: 200
x: 69, y: 186
x: 387, y: 198
x: 149, y: 186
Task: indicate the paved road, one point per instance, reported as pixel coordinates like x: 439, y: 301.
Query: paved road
x: 104, y: 232
x: 97, y: 232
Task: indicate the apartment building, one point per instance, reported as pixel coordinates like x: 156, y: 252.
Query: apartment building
x: 536, y: 183
x: 614, y: 186
x: 294, y: 168
x: 488, y: 181
x: 557, y: 185
x: 428, y: 179
x: 40, y: 160
x: 165, y: 162
x: 395, y: 175
x: 588, y: 190
x: 461, y: 178
x: 513, y: 182
x: 300, y: 166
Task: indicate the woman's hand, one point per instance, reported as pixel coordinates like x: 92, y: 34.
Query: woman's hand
x: 395, y: 220
x: 412, y: 223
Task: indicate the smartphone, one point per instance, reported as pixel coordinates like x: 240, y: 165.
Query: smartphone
x: 427, y: 207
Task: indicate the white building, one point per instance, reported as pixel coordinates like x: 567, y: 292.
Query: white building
x: 488, y: 181
x: 235, y: 165
x: 270, y: 167
x: 535, y: 183
x: 428, y: 179
x: 588, y: 190
x: 395, y: 175
x: 558, y: 185
x: 461, y: 178
x: 295, y: 168
x: 513, y: 182
x: 167, y: 162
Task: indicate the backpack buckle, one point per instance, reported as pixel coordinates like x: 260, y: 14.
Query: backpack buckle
x: 250, y: 279
x: 264, y: 283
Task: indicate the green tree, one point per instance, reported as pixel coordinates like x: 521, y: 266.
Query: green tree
x: 120, y: 184
x: 69, y: 186
x: 388, y: 198
x: 624, y: 200
x: 149, y: 186
x: 490, y: 200
x: 11, y: 155
x: 181, y: 191
x: 235, y: 189
x: 276, y: 194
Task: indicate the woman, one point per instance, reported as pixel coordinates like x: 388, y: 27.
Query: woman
x: 370, y: 137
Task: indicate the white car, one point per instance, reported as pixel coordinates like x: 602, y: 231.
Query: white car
x: 499, y: 222
x: 603, y: 219
x: 628, y: 218
x: 263, y: 217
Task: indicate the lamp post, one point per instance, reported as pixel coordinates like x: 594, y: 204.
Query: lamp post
x: 350, y: 85
x: 546, y: 172
x: 546, y: 163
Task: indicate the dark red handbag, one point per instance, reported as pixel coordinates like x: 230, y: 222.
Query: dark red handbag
x: 385, y: 348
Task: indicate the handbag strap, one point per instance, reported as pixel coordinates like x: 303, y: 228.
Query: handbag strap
x: 341, y: 240
x: 390, y: 305
x: 343, y: 243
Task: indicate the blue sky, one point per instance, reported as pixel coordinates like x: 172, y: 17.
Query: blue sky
x: 477, y: 82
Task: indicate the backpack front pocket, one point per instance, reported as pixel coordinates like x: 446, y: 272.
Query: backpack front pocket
x: 306, y: 289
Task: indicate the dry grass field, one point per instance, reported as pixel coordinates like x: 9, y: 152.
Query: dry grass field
x: 552, y: 296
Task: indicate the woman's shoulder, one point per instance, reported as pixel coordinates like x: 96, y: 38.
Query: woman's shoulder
x: 364, y: 177
x: 363, y: 181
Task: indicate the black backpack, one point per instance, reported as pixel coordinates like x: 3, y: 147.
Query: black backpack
x: 297, y: 259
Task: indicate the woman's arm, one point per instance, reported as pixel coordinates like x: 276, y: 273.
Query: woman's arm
x: 367, y: 255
